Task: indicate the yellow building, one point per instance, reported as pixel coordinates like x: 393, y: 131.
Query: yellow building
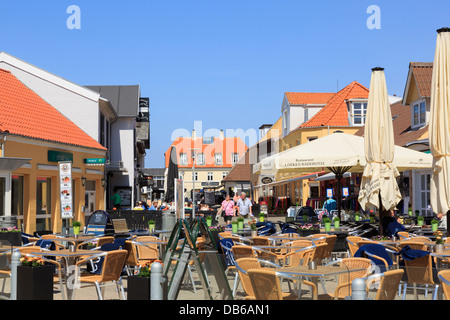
x: 34, y: 138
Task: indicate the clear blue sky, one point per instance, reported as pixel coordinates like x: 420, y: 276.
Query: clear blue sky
x: 226, y: 63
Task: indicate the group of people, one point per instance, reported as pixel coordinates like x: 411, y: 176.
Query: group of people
x: 236, y: 206
x: 142, y: 205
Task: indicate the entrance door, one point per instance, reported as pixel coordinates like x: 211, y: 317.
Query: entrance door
x: 89, y: 203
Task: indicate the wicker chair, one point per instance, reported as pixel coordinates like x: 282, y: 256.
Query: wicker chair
x: 420, y: 271
x: 319, y: 252
x: 345, y: 279
x: 261, y: 241
x: 403, y: 235
x: 330, y: 241
x: 444, y: 278
x: 242, y: 251
x: 149, y: 251
x: 111, y: 272
x: 266, y: 284
x: 299, y: 257
x: 387, y: 283
x: 352, y: 242
x: 242, y: 266
x: 100, y: 241
x: 417, y: 245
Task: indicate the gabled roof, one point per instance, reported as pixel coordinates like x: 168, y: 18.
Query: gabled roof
x: 242, y: 171
x: 421, y: 73
x: 124, y: 99
x: 25, y: 113
x: 302, y: 98
x: 335, y: 113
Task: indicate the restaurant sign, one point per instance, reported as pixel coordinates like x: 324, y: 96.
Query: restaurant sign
x: 65, y: 189
x: 94, y: 160
x: 57, y: 156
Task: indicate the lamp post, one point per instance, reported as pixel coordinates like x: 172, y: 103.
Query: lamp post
x: 193, y: 181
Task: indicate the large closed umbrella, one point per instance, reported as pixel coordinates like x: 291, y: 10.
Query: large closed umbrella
x: 439, y: 125
x: 172, y: 174
x: 379, y: 187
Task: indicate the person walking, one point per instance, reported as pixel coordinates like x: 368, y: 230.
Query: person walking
x: 228, y: 209
x: 117, y: 200
x: 244, y: 206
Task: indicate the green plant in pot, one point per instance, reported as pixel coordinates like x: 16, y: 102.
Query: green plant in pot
x: 76, y: 227
x: 357, y: 216
x: 234, y: 226
x: 151, y: 226
x: 434, y: 225
x: 209, y: 221
x: 337, y: 222
x: 261, y: 217
x: 420, y: 220
x: 327, y: 224
x: 240, y: 222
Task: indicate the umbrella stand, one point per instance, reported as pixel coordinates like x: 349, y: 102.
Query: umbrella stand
x: 339, y: 173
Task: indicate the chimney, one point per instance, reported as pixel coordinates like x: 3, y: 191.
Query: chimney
x: 194, y: 136
x: 221, y: 136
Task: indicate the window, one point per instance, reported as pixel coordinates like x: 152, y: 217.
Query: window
x: 419, y: 113
x: 2, y: 195
x: 200, y: 158
x: 424, y: 189
x: 17, y: 196
x: 210, y: 176
x: 358, y: 113
x: 305, y: 115
x: 218, y: 158
x: 224, y: 174
x: 195, y: 176
x: 234, y: 158
x: 43, y: 203
x: 183, y: 159
x: 285, y: 120
x: 311, y: 139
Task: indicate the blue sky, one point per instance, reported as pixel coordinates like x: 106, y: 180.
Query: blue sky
x: 225, y: 63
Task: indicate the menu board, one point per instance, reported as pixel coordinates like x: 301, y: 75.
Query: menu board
x: 65, y: 189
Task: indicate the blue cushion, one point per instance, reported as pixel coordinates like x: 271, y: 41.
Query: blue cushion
x: 229, y: 257
x: 378, y: 250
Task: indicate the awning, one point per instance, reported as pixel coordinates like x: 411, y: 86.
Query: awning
x: 332, y: 176
x: 12, y: 164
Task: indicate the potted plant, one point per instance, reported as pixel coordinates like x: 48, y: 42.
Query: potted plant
x: 12, y: 235
x: 240, y: 221
x: 372, y: 217
x: 253, y: 228
x: 76, y: 227
x: 234, y: 226
x: 357, y: 216
x: 337, y: 222
x: 327, y: 224
x: 261, y: 217
x: 34, y: 279
x: 209, y: 221
x: 434, y: 225
x: 151, y: 226
x: 215, y: 230
x: 138, y: 286
x: 308, y: 229
x: 420, y: 220
x: 439, y: 247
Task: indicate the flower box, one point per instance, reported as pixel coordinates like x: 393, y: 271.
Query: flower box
x: 307, y: 232
x: 14, y: 238
x: 138, y: 288
x: 35, y: 283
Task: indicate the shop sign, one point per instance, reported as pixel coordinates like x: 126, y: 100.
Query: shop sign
x: 57, y: 156
x: 65, y: 189
x: 94, y: 160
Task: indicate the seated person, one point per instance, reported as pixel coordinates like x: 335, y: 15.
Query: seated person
x: 391, y: 225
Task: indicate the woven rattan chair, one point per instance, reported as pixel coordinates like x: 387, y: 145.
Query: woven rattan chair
x: 387, y: 284
x: 403, y: 235
x: 319, y: 252
x: 261, y: 241
x: 299, y: 257
x: 111, y: 272
x: 241, y: 251
x: 420, y: 271
x: 330, y: 241
x: 417, y: 245
x: 242, y: 266
x: 352, y: 242
x: 149, y: 251
x: 343, y: 288
x: 100, y: 241
x: 266, y: 284
x: 444, y: 278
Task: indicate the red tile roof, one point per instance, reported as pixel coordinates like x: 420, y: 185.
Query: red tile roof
x: 25, y: 113
x: 335, y: 112
x: 226, y: 146
x: 309, y: 97
x: 423, y: 73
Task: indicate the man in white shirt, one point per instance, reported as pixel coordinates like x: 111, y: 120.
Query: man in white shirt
x: 244, y: 206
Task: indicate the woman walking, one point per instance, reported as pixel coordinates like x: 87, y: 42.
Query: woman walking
x: 228, y: 209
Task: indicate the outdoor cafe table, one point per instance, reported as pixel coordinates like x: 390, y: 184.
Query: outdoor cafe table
x: 316, y: 274
x: 70, y: 259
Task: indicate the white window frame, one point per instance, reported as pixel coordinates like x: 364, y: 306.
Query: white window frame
x: 183, y: 159
x: 195, y: 176
x: 8, y: 194
x: 234, y: 157
x: 362, y: 115
x: 200, y: 158
x: 210, y: 176
x: 421, y: 114
x: 218, y: 159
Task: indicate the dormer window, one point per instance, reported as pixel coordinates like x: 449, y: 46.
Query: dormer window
x: 357, y: 113
x: 419, y: 112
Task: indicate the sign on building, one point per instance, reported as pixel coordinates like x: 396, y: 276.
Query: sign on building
x: 65, y: 189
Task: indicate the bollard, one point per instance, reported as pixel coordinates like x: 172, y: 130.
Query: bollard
x: 358, y: 289
x: 156, y: 292
x: 15, y: 261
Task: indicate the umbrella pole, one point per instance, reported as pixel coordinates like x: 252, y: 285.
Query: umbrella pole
x: 339, y: 195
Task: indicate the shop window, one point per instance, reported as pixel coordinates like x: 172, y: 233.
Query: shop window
x: 17, y: 196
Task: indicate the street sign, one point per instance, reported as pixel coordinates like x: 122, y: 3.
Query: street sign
x: 65, y: 189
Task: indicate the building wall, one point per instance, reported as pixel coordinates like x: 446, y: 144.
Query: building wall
x: 38, y: 151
